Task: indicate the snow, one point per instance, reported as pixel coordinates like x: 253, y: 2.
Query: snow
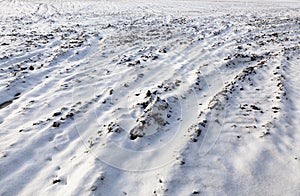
x: 149, y: 97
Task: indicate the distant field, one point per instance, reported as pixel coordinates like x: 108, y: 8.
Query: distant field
x: 149, y: 97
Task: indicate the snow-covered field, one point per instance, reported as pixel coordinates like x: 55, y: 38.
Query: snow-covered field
x: 149, y: 97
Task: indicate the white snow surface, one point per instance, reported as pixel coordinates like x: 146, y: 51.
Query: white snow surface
x: 149, y: 97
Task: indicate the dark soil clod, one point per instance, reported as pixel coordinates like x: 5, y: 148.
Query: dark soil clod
x: 57, y: 114
x: 56, y: 181
x: 56, y: 124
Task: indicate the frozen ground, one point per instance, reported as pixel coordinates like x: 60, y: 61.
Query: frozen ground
x: 149, y: 97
